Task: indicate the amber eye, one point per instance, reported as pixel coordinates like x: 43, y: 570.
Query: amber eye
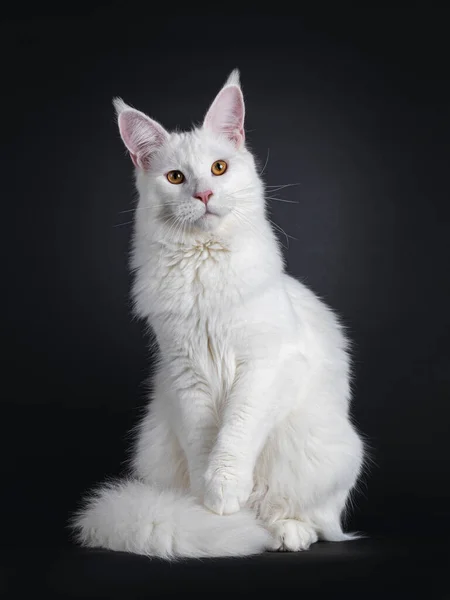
x: 175, y: 177
x: 219, y: 167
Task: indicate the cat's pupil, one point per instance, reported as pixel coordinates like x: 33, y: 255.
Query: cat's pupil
x: 219, y: 167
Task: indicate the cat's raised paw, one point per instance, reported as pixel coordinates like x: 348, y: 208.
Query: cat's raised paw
x: 291, y: 535
x: 225, y: 494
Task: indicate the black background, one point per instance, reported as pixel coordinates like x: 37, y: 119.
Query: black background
x: 352, y: 104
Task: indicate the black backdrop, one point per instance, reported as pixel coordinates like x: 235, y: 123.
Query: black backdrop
x: 353, y: 106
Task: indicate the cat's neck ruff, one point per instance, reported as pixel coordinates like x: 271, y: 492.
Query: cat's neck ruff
x: 193, y: 245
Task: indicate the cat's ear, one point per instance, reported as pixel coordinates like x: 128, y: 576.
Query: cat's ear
x: 226, y: 114
x: 141, y: 135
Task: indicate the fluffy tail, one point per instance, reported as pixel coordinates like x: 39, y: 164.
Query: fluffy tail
x: 134, y: 517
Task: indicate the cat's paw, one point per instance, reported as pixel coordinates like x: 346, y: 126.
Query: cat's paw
x: 291, y: 535
x: 225, y: 493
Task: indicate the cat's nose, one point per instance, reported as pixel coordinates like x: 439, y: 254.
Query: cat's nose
x: 204, y: 196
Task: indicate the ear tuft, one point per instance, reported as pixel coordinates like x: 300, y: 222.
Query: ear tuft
x: 234, y: 78
x: 120, y: 105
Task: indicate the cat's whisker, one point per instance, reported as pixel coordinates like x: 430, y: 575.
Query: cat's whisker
x: 167, y: 222
x: 173, y: 221
x: 240, y: 198
x: 281, y: 187
x: 282, y: 200
x: 149, y: 207
x: 180, y: 231
x: 130, y: 210
x: 173, y: 228
x: 247, y: 187
x: 250, y: 193
x: 283, y: 232
x: 244, y: 219
x: 265, y: 164
x: 123, y: 224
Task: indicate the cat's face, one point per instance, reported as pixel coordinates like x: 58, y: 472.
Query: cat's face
x: 199, y: 179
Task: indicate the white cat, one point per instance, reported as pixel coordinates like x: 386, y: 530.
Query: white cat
x: 247, y: 444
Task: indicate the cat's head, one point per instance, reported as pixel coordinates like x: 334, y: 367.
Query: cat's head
x: 199, y: 180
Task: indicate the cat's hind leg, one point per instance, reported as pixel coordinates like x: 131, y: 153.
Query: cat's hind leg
x: 304, y: 477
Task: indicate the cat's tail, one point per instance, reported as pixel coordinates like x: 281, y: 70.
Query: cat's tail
x: 133, y: 517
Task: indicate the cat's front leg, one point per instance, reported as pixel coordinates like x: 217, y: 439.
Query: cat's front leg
x: 263, y: 390
x: 227, y: 484
x: 196, y: 429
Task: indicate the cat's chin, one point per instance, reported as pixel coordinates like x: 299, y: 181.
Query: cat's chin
x: 207, y: 222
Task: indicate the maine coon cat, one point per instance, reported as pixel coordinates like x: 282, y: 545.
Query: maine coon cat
x: 247, y: 444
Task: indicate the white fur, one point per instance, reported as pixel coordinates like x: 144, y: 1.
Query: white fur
x: 133, y: 517
x: 249, y: 417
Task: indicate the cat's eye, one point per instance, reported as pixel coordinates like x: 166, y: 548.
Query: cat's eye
x: 219, y: 167
x: 175, y: 177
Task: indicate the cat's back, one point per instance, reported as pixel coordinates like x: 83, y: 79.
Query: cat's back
x: 319, y: 323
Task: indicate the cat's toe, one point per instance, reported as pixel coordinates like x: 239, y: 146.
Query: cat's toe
x: 291, y: 535
x: 221, y: 497
x: 225, y: 495
x: 221, y: 503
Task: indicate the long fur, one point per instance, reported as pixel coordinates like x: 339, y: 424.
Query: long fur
x: 247, y: 443
x: 131, y: 516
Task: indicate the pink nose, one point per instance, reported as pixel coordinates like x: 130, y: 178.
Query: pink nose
x: 204, y: 196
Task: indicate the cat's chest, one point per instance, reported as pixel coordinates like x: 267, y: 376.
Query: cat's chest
x: 194, y: 306
x: 198, y: 281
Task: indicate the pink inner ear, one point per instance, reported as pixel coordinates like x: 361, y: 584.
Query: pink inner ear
x: 141, y: 135
x: 227, y: 113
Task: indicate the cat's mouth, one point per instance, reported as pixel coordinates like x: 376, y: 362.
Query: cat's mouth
x: 208, y: 219
x: 209, y: 213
